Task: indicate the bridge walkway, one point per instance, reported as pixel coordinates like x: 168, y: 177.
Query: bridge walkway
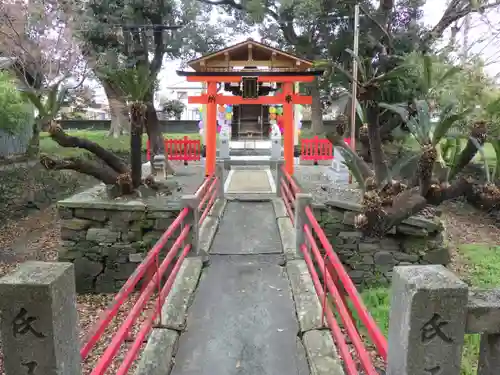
x: 240, y: 299
x: 243, y: 320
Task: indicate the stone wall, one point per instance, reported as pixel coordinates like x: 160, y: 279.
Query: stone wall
x: 106, y: 239
x: 369, y: 261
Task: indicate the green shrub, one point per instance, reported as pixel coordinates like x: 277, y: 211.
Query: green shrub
x: 14, y: 111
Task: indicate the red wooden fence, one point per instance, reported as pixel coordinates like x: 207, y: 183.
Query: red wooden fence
x: 317, y: 149
x: 183, y: 149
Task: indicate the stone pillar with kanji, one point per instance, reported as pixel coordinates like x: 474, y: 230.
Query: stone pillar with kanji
x: 427, y: 321
x: 39, y: 320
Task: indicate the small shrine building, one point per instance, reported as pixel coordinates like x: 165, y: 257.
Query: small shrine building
x: 264, y: 83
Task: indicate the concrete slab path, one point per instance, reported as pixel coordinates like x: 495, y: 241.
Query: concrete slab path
x: 242, y: 320
x: 247, y: 228
x: 249, y: 181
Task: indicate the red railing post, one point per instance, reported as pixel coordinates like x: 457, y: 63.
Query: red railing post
x: 302, y: 200
x: 316, y: 149
x: 192, y: 202
x: 148, y: 150
x: 219, y: 175
x: 279, y: 173
x: 186, y: 151
x: 168, y: 148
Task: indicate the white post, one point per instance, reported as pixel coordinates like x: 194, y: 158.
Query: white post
x: 223, y: 147
x: 355, y: 79
x: 275, y: 147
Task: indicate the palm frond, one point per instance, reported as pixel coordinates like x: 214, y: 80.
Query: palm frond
x: 395, y: 73
x: 348, y: 75
x: 403, y: 162
x: 359, y: 109
x: 456, y: 151
x: 352, y: 165
x: 135, y: 83
x: 443, y: 126
x: 427, y: 71
x: 400, y: 109
x: 480, y: 149
x: 423, y: 119
x: 361, y: 64
x: 447, y: 75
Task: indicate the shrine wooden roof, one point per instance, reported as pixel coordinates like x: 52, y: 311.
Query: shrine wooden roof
x: 250, y: 55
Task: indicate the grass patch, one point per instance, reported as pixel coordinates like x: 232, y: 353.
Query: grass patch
x: 378, y: 301
x: 484, y: 265
x: 489, y: 151
x: 118, y: 145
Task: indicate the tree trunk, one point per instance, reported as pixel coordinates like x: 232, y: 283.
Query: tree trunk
x: 34, y: 144
x: 155, y: 135
x: 377, y: 154
x: 153, y: 128
x: 137, y: 120
x: 496, y: 146
x: 118, y: 110
x: 316, y: 109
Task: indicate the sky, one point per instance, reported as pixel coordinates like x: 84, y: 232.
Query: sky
x: 483, y: 36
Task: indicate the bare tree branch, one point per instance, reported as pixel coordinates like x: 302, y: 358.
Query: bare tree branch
x: 64, y: 140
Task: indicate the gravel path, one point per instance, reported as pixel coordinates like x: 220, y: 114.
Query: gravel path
x: 324, y: 184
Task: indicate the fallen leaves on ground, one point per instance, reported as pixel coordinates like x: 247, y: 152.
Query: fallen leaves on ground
x: 466, y: 225
x: 37, y: 237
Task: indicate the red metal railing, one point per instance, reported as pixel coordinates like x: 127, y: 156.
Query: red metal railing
x: 316, y: 149
x: 207, y: 195
x: 183, y: 149
x: 334, y: 287
x: 288, y: 191
x: 150, y: 274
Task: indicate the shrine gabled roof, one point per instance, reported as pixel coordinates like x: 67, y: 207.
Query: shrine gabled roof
x: 315, y: 72
x: 261, y: 51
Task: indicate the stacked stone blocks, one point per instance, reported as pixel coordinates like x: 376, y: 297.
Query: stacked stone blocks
x: 106, y: 239
x: 370, y: 261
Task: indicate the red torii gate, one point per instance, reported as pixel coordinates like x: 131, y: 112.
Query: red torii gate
x: 287, y: 77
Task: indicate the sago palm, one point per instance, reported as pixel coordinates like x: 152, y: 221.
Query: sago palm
x: 428, y: 135
x: 135, y: 84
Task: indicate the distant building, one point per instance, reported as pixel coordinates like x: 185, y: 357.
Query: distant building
x: 180, y: 91
x: 96, y: 112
